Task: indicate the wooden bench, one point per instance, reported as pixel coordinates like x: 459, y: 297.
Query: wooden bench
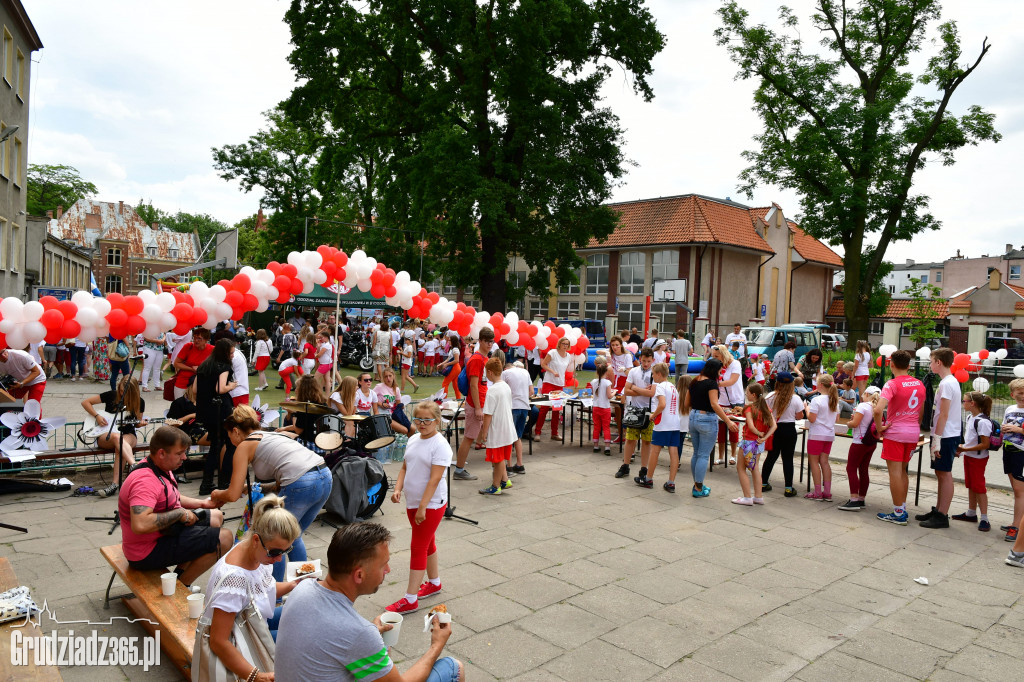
x: 155, y: 611
x: 30, y: 671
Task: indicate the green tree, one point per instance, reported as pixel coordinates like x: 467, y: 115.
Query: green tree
x: 843, y: 129
x: 50, y: 186
x: 925, y: 301
x: 487, y: 118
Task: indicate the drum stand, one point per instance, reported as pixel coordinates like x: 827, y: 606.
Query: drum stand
x: 453, y: 427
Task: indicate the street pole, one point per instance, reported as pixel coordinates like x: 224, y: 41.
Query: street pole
x: 305, y: 232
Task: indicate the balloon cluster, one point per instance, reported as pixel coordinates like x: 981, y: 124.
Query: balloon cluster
x: 964, y: 364
x: 197, y: 304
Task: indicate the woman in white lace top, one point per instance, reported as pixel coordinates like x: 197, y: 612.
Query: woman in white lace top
x: 244, y: 574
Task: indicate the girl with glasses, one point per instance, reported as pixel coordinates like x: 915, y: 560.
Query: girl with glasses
x: 245, y: 574
x: 427, y: 456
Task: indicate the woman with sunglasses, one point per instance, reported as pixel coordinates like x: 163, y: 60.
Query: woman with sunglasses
x: 427, y: 456
x: 299, y: 474
x: 244, y: 574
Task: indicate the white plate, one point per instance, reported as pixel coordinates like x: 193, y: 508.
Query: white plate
x: 293, y: 566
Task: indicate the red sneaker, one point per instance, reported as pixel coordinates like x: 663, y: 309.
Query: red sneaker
x: 426, y: 589
x: 403, y: 606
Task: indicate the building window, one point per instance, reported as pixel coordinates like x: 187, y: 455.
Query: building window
x: 538, y: 308
x: 876, y: 327
x: 666, y: 313
x: 570, y: 309
x: 631, y: 272
x: 451, y: 290
x: 892, y: 288
x: 839, y: 327
x: 172, y: 253
x: 17, y: 248
x: 938, y: 277
x: 433, y: 286
x: 517, y: 278
x: 19, y: 74
x: 3, y: 152
x: 151, y: 251
x: 665, y: 265
x: 595, y: 310
x: 112, y: 284
x: 1014, y: 272
x: 631, y: 315
x: 143, y: 277
x: 8, y: 57
x: 5, y: 249
x: 48, y: 269
x: 569, y: 288
x: 114, y: 257
x: 16, y: 163
x: 597, y: 273
x: 924, y: 279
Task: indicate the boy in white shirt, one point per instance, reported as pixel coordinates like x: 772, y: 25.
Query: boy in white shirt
x: 945, y: 438
x: 665, y: 418
x: 429, y: 356
x: 498, y: 430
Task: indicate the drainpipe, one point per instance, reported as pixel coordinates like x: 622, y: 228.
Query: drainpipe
x: 789, y: 311
x: 757, y: 309
x: 700, y: 275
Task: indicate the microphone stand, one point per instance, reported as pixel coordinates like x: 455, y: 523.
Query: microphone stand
x: 453, y: 425
x: 116, y: 421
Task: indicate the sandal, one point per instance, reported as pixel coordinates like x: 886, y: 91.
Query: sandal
x: 703, y: 492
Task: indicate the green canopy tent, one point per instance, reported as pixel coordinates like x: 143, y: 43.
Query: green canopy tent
x: 322, y: 297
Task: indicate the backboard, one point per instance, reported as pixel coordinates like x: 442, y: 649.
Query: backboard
x: 670, y: 290
x: 227, y: 247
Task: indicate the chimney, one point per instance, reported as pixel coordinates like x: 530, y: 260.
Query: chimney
x: 909, y: 263
x: 994, y: 276
x: 60, y: 212
x: 120, y: 208
x: 49, y: 214
x: 1009, y: 248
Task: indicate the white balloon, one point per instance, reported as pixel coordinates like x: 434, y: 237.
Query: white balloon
x: 151, y: 313
x: 11, y: 307
x: 1001, y: 354
x: 319, y: 276
x: 512, y: 337
x: 980, y: 384
x: 542, y: 342
x: 8, y: 325
x: 87, y: 316
x: 165, y: 301
x: 102, y: 307
x: 295, y: 258
x: 1018, y: 371
x: 152, y: 330
x: 223, y: 313
x: 266, y: 276
x: 272, y: 292
x: 364, y: 285
x: 924, y: 352
x: 263, y: 306
x: 199, y: 289
x: 217, y: 293
x: 975, y: 357
x: 87, y: 335
x: 989, y: 361
x: 81, y: 298
x: 314, y: 259
x: 148, y: 295
x: 16, y: 339
x: 248, y: 270
x: 167, y: 322
x: 32, y: 311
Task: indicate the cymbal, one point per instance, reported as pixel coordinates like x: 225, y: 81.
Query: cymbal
x: 310, y: 408
x: 352, y: 417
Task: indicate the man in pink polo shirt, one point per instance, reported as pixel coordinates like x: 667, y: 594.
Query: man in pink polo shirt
x: 904, y: 396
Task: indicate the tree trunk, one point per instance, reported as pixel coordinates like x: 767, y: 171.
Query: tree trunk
x: 492, y: 278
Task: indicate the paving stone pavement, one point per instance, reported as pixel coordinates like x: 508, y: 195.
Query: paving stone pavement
x: 575, y: 575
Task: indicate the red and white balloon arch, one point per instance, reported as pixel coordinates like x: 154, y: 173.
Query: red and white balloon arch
x: 87, y: 317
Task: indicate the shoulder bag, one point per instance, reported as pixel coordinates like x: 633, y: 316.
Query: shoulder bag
x: 636, y: 417
x: 249, y: 634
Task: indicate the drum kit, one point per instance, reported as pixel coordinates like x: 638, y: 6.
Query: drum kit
x: 372, y: 432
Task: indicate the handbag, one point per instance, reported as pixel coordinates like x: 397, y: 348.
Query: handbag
x: 249, y: 634
x: 118, y: 351
x: 636, y: 417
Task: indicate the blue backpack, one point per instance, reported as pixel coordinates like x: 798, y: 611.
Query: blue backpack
x: 463, y: 381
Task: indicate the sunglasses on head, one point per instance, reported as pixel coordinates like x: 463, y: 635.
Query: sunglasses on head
x: 273, y: 553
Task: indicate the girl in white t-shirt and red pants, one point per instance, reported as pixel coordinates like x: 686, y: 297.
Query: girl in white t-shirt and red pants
x: 601, y: 409
x: 822, y: 414
x: 977, y: 436
x: 427, y: 456
x: 858, y: 463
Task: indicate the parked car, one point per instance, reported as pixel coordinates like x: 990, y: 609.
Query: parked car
x: 1014, y: 346
x: 767, y: 341
x: 833, y: 341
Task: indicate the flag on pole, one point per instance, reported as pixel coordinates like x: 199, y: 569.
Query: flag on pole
x: 95, y: 288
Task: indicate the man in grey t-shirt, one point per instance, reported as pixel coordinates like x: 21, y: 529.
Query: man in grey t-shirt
x: 321, y: 636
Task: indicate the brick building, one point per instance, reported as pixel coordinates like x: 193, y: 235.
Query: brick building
x: 127, y: 252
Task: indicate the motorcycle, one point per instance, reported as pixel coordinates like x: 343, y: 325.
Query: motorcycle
x: 356, y: 351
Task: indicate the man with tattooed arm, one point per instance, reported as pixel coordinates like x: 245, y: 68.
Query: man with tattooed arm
x: 160, y: 527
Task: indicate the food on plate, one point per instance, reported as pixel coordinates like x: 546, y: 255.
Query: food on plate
x: 440, y: 608
x: 305, y: 569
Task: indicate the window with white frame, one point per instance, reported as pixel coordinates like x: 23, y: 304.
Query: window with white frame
x: 8, y: 56
x: 631, y: 272
x: 538, y: 308
x: 631, y: 315
x: 569, y: 288
x: 112, y: 284
x: 839, y: 327
x: 5, y: 248
x: 876, y: 327
x: 142, y: 277
x: 16, y: 158
x: 666, y: 313
x: 17, y: 247
x: 938, y: 277
x: 114, y: 257
x: 924, y: 279
x: 1014, y: 272
x: 568, y: 309
x: 665, y: 265
x: 450, y: 290
x: 597, y: 273
x: 595, y: 310
x: 19, y: 75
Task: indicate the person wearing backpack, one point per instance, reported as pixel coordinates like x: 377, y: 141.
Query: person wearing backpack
x: 946, y: 428
x: 476, y: 394
x: 978, y: 440
x: 865, y: 439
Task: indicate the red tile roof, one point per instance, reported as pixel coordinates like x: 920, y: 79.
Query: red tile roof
x: 811, y: 249
x: 686, y: 219
x: 898, y: 309
x: 1015, y: 289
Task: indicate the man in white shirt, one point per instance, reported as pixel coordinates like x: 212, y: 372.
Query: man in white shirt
x: 29, y: 378
x: 240, y: 368
x: 945, y: 436
x: 518, y: 380
x: 737, y: 335
x: 651, y: 340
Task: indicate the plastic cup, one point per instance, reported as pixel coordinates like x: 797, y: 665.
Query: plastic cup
x: 195, y: 605
x: 167, y: 583
x: 391, y: 636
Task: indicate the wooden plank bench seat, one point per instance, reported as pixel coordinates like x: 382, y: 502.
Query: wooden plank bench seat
x: 30, y: 671
x: 155, y: 611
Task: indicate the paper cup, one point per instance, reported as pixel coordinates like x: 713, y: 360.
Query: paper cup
x: 167, y: 583
x: 391, y: 636
x: 195, y: 605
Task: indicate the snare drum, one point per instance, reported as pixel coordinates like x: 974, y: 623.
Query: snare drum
x: 374, y: 433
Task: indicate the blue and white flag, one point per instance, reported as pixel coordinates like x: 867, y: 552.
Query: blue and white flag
x: 95, y: 288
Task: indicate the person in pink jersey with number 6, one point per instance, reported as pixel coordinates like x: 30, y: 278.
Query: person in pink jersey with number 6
x: 904, y: 397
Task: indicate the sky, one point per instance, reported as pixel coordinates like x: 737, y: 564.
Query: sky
x: 135, y: 94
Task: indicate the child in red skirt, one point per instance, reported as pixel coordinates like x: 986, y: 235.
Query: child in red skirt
x: 262, y: 357
x: 498, y: 430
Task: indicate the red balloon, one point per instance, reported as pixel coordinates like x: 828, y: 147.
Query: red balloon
x: 182, y: 327
x: 54, y: 336
x: 274, y: 267
x: 199, y: 317
x: 68, y: 310
x: 377, y: 277
x: 962, y: 376
x: 233, y: 298
x: 324, y: 250
x: 236, y: 313
x: 225, y: 283
x: 340, y: 259
x: 433, y: 297
x: 329, y: 269
x: 70, y: 329
x: 133, y: 305
x: 983, y: 354
x: 296, y: 286
x: 3, y: 340
x: 118, y: 332
x: 584, y: 343
x: 377, y: 290
x: 529, y: 343
x: 289, y: 270
x: 340, y: 274
x: 381, y: 267
x: 284, y: 296
x: 250, y: 302
x: 115, y: 300
x: 241, y: 282
x: 117, y: 318
x: 390, y: 290
x: 136, y: 325
x: 878, y: 360
x: 49, y: 302
x: 283, y: 285
x: 182, y: 312
x: 504, y: 328
x: 52, y: 319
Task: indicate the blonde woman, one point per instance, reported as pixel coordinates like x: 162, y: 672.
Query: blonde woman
x: 134, y: 410
x: 296, y: 472
x: 244, y: 574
